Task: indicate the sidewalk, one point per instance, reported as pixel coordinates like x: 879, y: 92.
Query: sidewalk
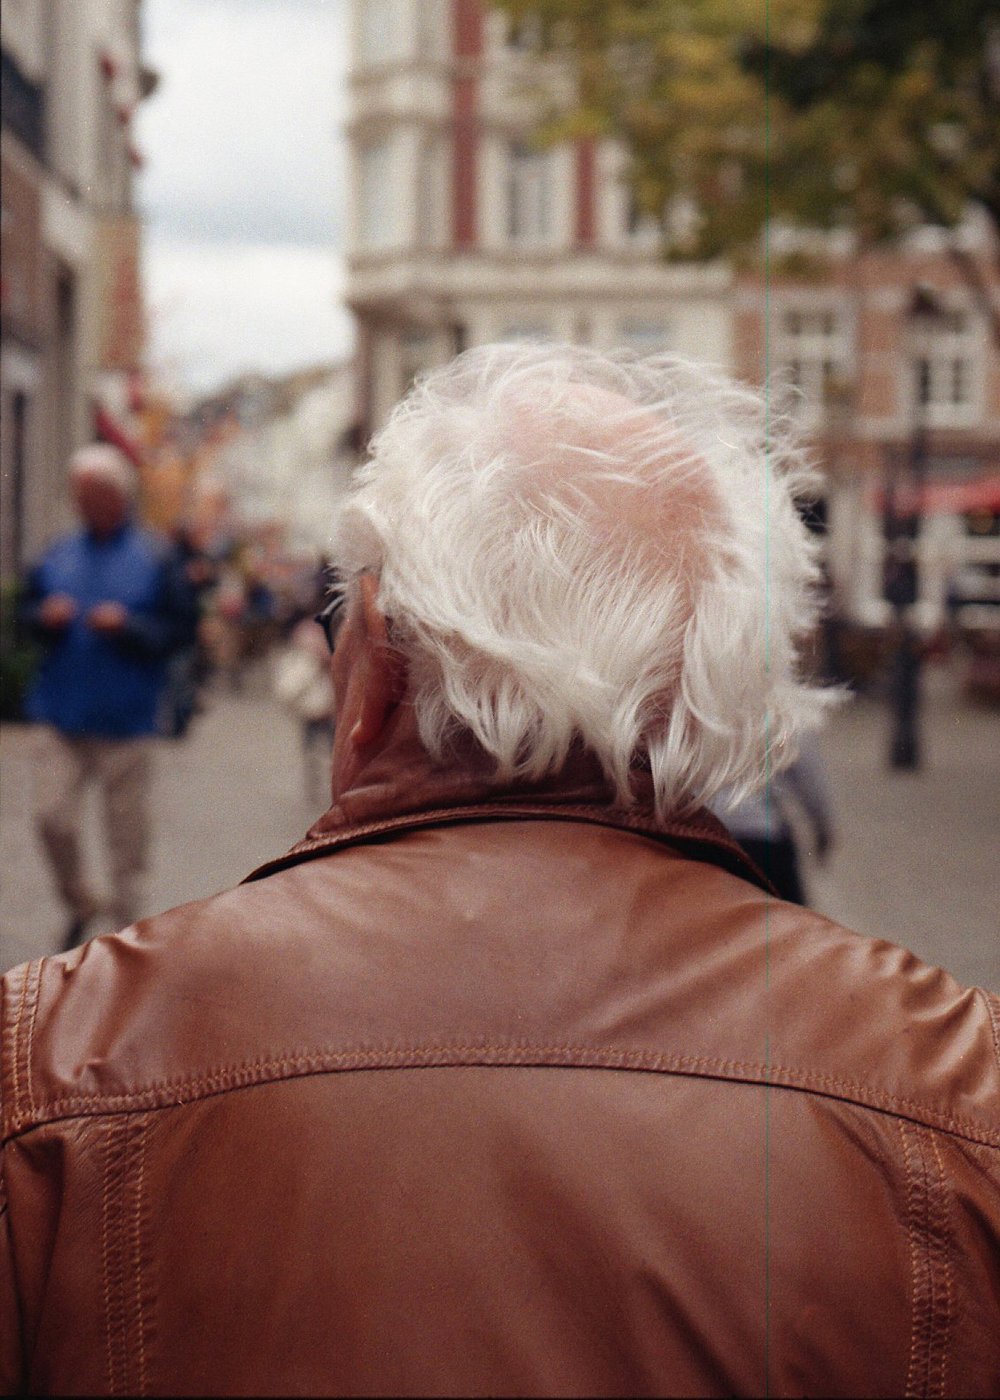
x: 916, y: 861
x: 225, y: 799
x: 917, y: 856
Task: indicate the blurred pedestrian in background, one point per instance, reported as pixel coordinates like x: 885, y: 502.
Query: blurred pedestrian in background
x: 242, y: 621
x: 761, y: 822
x: 187, y: 665
x: 109, y: 608
x: 302, y: 685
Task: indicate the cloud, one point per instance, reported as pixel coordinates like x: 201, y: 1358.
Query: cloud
x: 243, y: 188
x: 242, y: 138
x: 218, y: 310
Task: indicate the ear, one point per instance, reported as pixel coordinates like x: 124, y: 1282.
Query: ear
x: 385, y: 674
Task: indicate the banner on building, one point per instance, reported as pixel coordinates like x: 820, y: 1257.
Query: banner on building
x: 123, y: 327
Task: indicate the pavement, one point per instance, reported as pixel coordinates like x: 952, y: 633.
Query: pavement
x: 915, y: 859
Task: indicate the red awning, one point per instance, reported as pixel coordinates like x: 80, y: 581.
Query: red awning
x: 108, y: 430
x: 944, y: 497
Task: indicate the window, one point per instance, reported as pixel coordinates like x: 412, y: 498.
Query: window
x: 432, y: 193
x: 376, y: 196
x: 646, y: 336
x: 524, y: 330
x: 813, y: 352
x: 431, y: 29
x: 524, y: 35
x: 944, y: 370
x: 379, y: 31
x: 23, y: 106
x: 529, y: 194
x: 640, y: 226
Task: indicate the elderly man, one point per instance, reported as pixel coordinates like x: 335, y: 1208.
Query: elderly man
x: 513, y: 1078
x: 108, y: 607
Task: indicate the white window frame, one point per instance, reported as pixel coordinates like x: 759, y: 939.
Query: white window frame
x: 525, y: 331
x: 945, y: 371
x: 376, y: 213
x: 646, y: 334
x: 812, y: 349
x: 531, y: 195
x: 380, y: 32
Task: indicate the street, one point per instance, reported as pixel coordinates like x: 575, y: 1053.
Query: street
x: 915, y: 860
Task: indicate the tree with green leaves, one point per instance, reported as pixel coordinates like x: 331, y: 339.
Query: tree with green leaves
x: 872, y: 115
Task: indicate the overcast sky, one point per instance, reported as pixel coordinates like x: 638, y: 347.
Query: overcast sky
x: 243, y: 186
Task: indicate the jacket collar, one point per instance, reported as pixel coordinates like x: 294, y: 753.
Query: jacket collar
x: 402, y: 789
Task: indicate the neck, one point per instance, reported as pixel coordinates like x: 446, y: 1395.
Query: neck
x: 398, y: 775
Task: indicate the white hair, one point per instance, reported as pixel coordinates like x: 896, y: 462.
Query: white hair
x: 108, y: 464
x: 577, y: 547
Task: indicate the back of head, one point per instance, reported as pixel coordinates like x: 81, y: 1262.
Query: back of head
x: 604, y: 549
x: 102, y: 462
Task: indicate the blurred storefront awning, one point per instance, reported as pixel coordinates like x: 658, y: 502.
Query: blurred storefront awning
x: 944, y: 497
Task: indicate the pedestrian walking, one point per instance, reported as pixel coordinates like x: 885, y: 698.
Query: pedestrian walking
x: 302, y: 685
x: 762, y: 821
x: 514, y: 1077
x: 187, y: 664
x: 108, y: 607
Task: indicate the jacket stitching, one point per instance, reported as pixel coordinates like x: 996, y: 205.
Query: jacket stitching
x: 943, y: 1237
x: 118, y: 1257
x: 110, y: 1157
x: 915, y: 1293
x: 36, y: 969
x: 119, y: 1149
x: 258, y: 1071
x: 15, y: 1048
x: 932, y: 1289
x: 992, y: 1004
x: 105, y: 1196
x: 926, y: 1230
x: 137, y: 1254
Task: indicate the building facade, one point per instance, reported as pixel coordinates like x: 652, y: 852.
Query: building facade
x: 897, y: 373
x: 463, y: 230
x: 71, y: 311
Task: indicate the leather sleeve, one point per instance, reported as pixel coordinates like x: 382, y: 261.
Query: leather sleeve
x: 11, y: 1369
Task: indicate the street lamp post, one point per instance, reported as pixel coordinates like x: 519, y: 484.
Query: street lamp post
x: 901, y: 528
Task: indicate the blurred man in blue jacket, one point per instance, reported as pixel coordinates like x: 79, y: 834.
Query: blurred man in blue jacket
x: 110, y: 607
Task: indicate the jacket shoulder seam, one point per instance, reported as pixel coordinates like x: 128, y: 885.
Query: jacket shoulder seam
x: 122, y: 1224
x: 21, y: 1010
x: 928, y: 1236
x: 992, y: 1005
x: 298, y: 1064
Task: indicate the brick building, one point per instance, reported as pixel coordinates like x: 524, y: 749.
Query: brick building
x: 71, y: 314
x: 463, y: 231
x: 899, y: 377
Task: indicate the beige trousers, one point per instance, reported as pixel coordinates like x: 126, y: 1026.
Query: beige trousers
x: 122, y: 769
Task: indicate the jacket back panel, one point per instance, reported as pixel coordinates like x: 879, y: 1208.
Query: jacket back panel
x: 392, y: 1121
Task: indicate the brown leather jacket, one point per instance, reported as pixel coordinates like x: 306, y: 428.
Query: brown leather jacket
x: 503, y: 1094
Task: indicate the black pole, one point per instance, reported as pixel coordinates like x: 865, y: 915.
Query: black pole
x: 902, y: 532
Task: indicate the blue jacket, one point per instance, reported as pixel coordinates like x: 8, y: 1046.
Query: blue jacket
x: 93, y: 684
